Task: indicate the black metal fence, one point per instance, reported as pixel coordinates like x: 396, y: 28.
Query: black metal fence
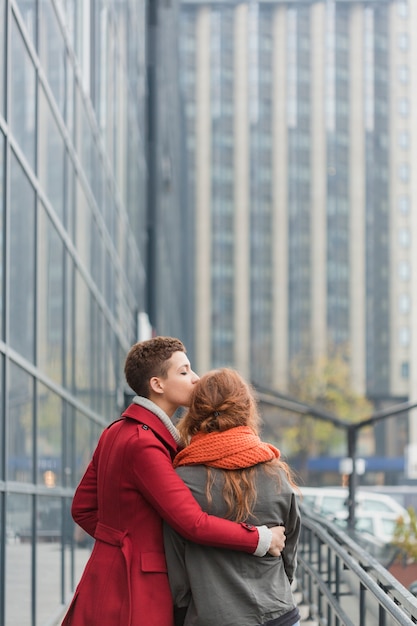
x: 343, y: 585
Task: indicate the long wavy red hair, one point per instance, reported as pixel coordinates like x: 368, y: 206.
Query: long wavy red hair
x: 221, y: 400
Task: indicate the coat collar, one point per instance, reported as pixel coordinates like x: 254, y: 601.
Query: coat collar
x: 148, y: 413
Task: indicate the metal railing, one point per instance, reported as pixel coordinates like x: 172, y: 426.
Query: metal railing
x: 342, y: 584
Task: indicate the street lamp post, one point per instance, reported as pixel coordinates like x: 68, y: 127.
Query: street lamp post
x: 352, y: 437
x: 274, y: 398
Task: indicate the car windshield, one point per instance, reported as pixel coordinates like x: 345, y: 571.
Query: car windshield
x: 388, y: 526
x: 333, y: 504
x: 365, y: 524
x: 375, y: 505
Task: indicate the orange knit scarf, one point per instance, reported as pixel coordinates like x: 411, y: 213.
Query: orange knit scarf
x: 231, y: 449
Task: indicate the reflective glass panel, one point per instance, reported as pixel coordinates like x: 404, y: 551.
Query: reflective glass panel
x: 23, y: 95
x: 86, y: 437
x: 3, y: 56
x: 51, y: 157
x: 22, y: 261
x: 83, y: 355
x: 68, y: 11
x: 51, y: 299
x: 109, y: 281
x: 69, y: 107
x: 20, y: 425
x: 18, y: 559
x: 2, y: 416
x: 69, y: 326
x: 27, y: 10
x: 97, y: 342
x: 97, y: 256
x: 69, y: 197
x: 84, y: 226
x: 68, y: 445
x: 48, y: 557
x: 52, y: 52
x: 49, y: 438
x: 112, y: 374
x: 2, y: 234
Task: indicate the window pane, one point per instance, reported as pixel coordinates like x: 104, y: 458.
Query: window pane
x: 403, y: 41
x: 69, y: 107
x: 404, y: 336
x: 86, y: 437
x: 51, y: 157
x: 84, y: 226
x: 48, y: 557
x: 402, y: 9
x: 52, y: 52
x: 49, y: 438
x: 404, y: 140
x: 69, y: 326
x: 50, y: 318
x: 3, y: 57
x: 22, y: 262
x: 27, y: 10
x: 18, y: 559
x: 403, y: 107
x: 404, y: 270
x: 2, y: 181
x: 404, y: 238
x: 404, y: 204
x: 22, y: 105
x: 405, y: 369
x: 404, y: 172
x: 2, y: 417
x: 20, y: 426
x: 82, y: 338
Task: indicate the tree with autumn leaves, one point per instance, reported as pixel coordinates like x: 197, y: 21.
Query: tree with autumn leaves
x: 324, y: 384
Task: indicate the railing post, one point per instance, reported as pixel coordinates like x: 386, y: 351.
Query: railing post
x: 352, y: 435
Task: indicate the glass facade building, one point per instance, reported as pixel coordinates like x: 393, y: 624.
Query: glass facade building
x: 93, y: 232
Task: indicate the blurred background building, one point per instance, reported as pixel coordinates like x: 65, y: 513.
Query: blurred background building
x: 300, y: 125
x: 238, y: 174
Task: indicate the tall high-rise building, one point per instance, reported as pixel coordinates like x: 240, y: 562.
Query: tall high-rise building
x: 302, y: 133
x: 93, y: 256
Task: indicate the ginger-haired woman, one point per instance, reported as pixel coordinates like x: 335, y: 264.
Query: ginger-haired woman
x: 232, y: 474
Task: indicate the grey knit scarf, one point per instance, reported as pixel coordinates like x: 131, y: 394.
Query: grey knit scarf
x: 156, y: 410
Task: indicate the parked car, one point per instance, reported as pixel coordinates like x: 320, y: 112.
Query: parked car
x: 379, y: 525
x: 376, y: 514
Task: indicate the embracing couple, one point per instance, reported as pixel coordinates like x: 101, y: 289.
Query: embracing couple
x: 194, y: 525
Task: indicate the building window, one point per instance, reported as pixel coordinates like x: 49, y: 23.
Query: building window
x: 404, y: 336
x: 405, y: 369
x: 404, y: 205
x: 404, y: 271
x: 404, y: 237
x: 404, y: 303
x: 404, y: 172
x: 402, y: 9
x: 403, y: 74
x: 403, y: 107
x: 403, y: 41
x: 404, y: 139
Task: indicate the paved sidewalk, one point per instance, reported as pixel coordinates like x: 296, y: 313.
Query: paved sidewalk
x: 48, y: 582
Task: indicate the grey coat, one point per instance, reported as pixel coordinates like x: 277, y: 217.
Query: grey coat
x: 229, y: 588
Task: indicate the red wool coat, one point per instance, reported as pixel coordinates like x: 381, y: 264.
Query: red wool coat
x: 128, y: 487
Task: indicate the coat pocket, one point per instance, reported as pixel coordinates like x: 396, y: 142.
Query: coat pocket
x: 153, y: 562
